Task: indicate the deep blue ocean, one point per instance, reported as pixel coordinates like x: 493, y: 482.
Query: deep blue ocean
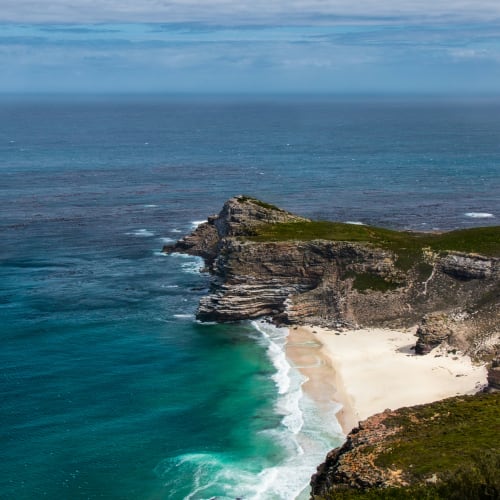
x: 109, y: 387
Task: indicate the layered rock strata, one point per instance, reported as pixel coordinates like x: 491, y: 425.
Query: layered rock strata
x: 341, y: 283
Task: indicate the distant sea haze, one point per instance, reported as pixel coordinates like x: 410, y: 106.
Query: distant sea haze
x: 111, y: 389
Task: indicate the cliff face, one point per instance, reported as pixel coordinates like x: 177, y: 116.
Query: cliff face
x: 341, y: 283
x: 291, y: 281
x: 353, y: 464
x: 239, y: 217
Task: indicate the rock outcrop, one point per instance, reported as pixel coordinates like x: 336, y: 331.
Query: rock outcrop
x: 468, y: 267
x: 342, y: 283
x: 239, y: 217
x: 353, y: 464
x: 494, y: 376
x: 412, y: 446
x: 434, y: 329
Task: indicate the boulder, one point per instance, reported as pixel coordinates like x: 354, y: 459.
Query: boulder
x: 433, y: 331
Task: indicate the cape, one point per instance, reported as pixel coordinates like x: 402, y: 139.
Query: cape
x: 265, y: 261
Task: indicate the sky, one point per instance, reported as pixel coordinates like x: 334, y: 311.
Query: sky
x: 447, y: 47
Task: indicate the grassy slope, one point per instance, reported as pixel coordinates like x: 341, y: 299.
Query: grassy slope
x: 444, y: 434
x: 407, y: 245
x: 457, y: 439
x: 484, y: 240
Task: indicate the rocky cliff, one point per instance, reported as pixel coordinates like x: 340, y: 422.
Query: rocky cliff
x: 416, y: 448
x: 268, y: 262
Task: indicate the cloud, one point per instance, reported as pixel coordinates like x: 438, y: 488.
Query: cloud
x: 246, y: 11
x: 179, y: 56
x: 479, y: 55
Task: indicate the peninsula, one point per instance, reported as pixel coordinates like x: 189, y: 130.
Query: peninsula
x: 370, y: 300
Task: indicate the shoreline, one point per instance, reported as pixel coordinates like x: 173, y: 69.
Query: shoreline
x: 323, y: 385
x: 369, y: 370
x: 304, y: 382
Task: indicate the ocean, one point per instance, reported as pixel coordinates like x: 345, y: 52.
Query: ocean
x: 109, y: 386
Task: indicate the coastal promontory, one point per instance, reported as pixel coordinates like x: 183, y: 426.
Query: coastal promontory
x: 265, y: 261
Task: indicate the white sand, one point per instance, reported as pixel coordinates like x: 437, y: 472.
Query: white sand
x: 375, y: 369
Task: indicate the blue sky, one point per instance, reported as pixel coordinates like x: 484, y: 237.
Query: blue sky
x: 384, y: 46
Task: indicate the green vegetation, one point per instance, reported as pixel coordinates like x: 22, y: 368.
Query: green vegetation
x: 255, y: 201
x: 443, y: 435
x: 477, y: 481
x: 368, y: 281
x: 407, y: 245
x: 489, y: 299
x: 483, y: 240
x: 456, y: 439
x: 424, y: 270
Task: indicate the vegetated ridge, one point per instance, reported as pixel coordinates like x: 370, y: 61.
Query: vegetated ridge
x: 443, y: 450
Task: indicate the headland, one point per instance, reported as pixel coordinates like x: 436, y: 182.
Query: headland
x: 379, y: 319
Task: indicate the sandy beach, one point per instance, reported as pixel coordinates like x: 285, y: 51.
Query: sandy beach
x: 370, y: 370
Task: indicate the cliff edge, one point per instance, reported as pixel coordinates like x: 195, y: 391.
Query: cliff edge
x: 265, y: 261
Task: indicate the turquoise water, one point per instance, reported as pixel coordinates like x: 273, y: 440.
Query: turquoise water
x: 110, y: 388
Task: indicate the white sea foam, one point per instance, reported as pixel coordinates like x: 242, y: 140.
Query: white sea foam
x: 287, y: 481
x: 194, y: 267
x: 278, y: 358
x: 175, y: 231
x: 141, y: 233
x: 191, y: 264
x: 319, y: 433
x: 295, y: 418
x: 150, y: 206
x: 184, y: 316
x: 313, y: 431
x: 168, y: 240
x: 196, y: 223
x: 356, y: 223
x: 206, y: 323
x: 479, y: 215
x: 179, y: 255
x: 306, y: 435
x: 289, y: 382
x: 215, y: 475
